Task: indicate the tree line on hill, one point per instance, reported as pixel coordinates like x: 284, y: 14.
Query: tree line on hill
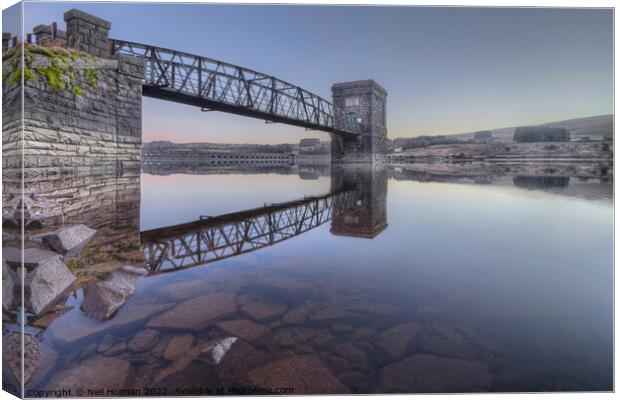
x: 541, y: 134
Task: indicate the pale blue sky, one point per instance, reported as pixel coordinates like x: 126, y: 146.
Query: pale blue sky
x: 447, y: 70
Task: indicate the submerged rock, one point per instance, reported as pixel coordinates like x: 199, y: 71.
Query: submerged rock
x: 94, y: 373
x: 352, y: 353
x: 243, y: 328
x: 196, y: 313
x: 143, y: 340
x: 69, y: 239
x: 264, y: 309
x: 178, y: 345
x: 397, y: 339
x: 304, y: 374
x: 425, y: 373
x: 73, y: 326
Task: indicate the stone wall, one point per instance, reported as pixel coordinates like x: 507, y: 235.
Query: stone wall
x: 367, y: 101
x: 94, y: 122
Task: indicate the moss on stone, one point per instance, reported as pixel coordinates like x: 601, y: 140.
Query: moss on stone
x: 58, y: 73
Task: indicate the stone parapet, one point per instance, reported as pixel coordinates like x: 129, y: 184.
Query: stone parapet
x: 88, y: 33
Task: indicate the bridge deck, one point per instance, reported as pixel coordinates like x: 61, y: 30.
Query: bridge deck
x: 215, y: 85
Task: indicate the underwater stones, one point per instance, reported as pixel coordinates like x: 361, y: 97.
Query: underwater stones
x: 177, y: 346
x: 243, y: 328
x: 372, y: 307
x: 143, y: 340
x: 46, y: 284
x: 107, y: 342
x: 183, y: 291
x: 288, y: 337
x: 70, y: 239
x: 94, y: 373
x: 264, y: 309
x: 74, y: 327
x: 424, y: 373
x: 352, y: 353
x: 196, y: 313
x: 364, y: 334
x: 304, y: 374
x: 102, y: 299
x: 396, y: 340
x: 118, y: 348
x: 331, y: 315
x: 299, y: 315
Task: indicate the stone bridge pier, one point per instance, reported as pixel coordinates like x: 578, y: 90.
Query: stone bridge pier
x: 365, y: 101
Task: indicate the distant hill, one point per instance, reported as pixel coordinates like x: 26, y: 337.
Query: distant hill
x: 594, y: 127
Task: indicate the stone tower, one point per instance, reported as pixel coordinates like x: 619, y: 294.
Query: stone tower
x: 367, y: 101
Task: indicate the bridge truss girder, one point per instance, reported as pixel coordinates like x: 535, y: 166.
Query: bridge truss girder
x: 216, y: 85
x: 205, y: 241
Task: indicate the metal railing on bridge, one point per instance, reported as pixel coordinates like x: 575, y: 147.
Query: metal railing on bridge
x: 216, y: 85
x: 212, y: 239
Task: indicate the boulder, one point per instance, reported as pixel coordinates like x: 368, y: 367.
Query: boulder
x: 10, y: 287
x: 47, y: 284
x: 196, y: 313
x: 243, y: 328
x: 33, y: 256
x: 304, y: 374
x: 425, y: 373
x: 69, y: 239
x: 102, y: 299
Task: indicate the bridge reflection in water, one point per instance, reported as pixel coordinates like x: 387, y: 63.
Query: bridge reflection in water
x: 356, y: 205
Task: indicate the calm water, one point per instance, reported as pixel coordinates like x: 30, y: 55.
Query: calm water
x: 375, y: 283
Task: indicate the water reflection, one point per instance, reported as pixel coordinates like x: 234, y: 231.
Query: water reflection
x: 473, y: 283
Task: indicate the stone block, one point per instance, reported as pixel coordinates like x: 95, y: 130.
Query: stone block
x: 69, y: 240
x: 46, y: 284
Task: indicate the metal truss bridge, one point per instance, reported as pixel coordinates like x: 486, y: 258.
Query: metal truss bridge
x: 216, y: 85
x: 215, y: 238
